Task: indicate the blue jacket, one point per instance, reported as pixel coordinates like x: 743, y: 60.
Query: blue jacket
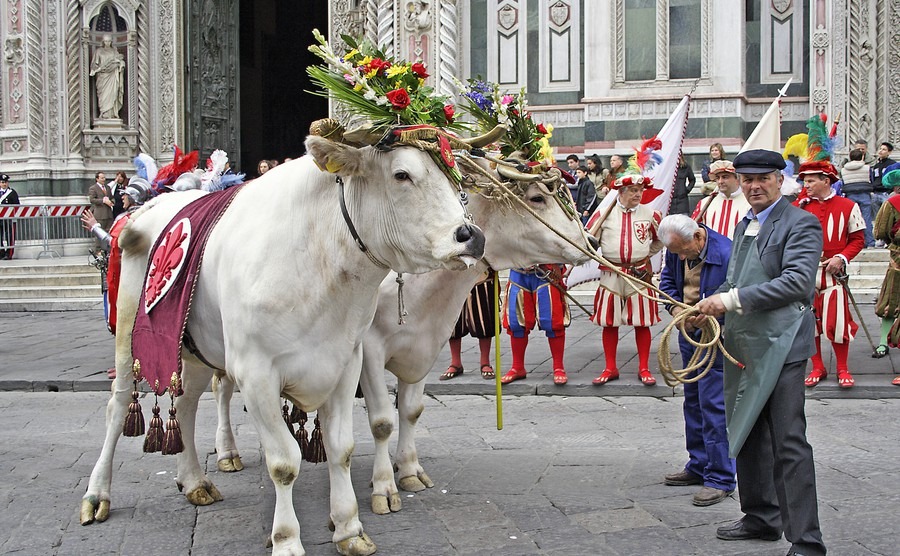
x: 712, y: 275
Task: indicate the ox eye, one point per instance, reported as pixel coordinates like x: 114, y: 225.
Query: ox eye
x: 537, y: 199
x: 401, y: 176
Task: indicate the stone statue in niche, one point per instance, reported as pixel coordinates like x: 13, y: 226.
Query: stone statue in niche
x: 108, y: 67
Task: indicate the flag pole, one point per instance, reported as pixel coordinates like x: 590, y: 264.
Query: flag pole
x: 497, y: 368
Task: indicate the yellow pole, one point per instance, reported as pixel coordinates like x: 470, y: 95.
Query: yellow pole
x: 498, y: 370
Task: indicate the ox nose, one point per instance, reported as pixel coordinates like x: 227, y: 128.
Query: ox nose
x: 595, y: 243
x: 473, y: 237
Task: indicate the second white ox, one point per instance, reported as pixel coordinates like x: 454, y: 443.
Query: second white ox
x: 513, y: 239
x: 282, y: 301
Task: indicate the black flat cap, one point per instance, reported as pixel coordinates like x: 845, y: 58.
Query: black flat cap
x: 758, y: 161
x: 4, y: 177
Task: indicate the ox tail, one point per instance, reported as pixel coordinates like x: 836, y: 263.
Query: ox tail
x: 133, y: 240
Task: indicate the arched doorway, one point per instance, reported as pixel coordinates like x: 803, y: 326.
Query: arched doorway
x: 246, y: 78
x: 275, y: 109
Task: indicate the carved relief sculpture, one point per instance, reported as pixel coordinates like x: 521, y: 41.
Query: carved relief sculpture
x: 108, y: 67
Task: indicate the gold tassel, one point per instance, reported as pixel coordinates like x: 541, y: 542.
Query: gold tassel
x: 287, y: 418
x: 173, y: 443
x: 316, y: 451
x: 134, y: 421
x: 295, y: 414
x: 154, y: 440
x: 302, y: 436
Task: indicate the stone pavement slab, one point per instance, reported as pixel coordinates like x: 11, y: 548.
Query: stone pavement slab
x: 566, y: 475
x: 71, y: 350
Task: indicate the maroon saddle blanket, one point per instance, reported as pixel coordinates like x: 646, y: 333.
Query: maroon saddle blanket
x: 169, y: 287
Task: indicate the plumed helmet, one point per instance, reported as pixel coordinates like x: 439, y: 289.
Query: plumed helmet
x: 138, y: 189
x: 186, y: 182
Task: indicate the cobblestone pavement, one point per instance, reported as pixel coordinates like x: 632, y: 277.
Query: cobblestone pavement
x: 66, y: 351
x: 566, y: 475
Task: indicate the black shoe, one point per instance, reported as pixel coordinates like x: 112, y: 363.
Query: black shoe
x: 738, y: 531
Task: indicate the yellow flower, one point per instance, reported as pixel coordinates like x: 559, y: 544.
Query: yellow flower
x: 394, y: 71
x: 358, y: 86
x: 349, y: 56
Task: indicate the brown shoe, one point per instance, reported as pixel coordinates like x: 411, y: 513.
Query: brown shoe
x: 683, y: 478
x: 707, y: 496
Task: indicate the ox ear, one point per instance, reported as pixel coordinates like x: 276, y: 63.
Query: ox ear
x: 333, y: 157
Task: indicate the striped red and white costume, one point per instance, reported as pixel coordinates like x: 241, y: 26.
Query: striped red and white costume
x: 627, y: 239
x: 723, y: 213
x: 843, y: 230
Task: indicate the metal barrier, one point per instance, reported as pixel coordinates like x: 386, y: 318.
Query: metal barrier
x: 50, y: 225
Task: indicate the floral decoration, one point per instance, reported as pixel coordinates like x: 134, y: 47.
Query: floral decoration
x: 386, y: 91
x: 485, y: 102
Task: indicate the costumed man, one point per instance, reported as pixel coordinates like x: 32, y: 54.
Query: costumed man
x: 769, y: 327
x: 887, y: 229
x: 628, y: 238
x: 844, y: 237
x: 8, y: 196
x: 535, y: 296
x: 477, y: 320
x: 722, y: 210
x: 696, y: 264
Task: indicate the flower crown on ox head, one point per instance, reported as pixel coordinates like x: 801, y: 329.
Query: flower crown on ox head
x: 391, y: 95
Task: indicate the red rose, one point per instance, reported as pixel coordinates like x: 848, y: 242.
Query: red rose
x: 398, y: 98
x: 379, y: 65
x: 541, y: 129
x: 418, y: 70
x: 448, y: 112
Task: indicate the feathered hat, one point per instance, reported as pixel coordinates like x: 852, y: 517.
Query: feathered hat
x: 641, y: 162
x: 167, y: 175
x: 819, y: 149
x: 215, y: 178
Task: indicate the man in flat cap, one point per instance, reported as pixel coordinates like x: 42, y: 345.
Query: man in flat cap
x: 8, y: 196
x: 769, y: 327
x: 722, y: 210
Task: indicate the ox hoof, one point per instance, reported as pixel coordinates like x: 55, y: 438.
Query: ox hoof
x: 230, y: 465
x: 93, y: 509
x: 416, y: 483
x: 356, y: 546
x: 204, y: 495
x: 383, y: 505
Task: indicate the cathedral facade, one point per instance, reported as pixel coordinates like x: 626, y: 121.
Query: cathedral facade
x: 87, y: 84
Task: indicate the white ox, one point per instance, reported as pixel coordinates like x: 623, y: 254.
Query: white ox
x: 513, y: 239
x: 282, y: 301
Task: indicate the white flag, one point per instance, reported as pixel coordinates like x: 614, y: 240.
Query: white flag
x: 671, y: 135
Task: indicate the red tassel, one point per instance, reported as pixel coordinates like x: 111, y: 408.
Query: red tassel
x: 285, y: 414
x: 316, y: 451
x: 153, y: 442
x: 172, y: 444
x: 134, y: 421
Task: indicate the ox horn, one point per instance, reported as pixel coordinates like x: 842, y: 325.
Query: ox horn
x: 327, y: 128
x: 510, y: 172
x: 491, y: 136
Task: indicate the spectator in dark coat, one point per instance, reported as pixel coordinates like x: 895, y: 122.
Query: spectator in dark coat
x: 684, y: 183
x: 587, y: 200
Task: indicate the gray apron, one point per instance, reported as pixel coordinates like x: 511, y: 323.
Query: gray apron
x: 761, y: 341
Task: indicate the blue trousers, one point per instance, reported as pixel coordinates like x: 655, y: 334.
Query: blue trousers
x: 704, y: 425
x: 864, y: 202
